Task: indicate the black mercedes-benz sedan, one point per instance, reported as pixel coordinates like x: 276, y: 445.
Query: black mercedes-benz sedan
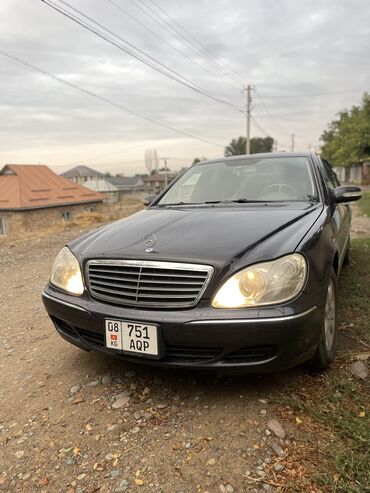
x: 233, y: 267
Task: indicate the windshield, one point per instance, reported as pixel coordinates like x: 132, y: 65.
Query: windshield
x: 246, y: 180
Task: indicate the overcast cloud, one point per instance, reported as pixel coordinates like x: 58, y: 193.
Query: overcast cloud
x: 284, y: 48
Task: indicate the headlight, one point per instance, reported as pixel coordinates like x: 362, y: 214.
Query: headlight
x: 262, y: 284
x: 66, y: 272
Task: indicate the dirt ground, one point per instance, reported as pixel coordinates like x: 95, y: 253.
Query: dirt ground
x: 178, y: 432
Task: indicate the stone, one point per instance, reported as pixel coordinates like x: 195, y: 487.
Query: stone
x: 120, y: 402
x: 279, y: 467
x: 211, y: 462
x: 82, y: 476
x: 76, y: 388
x: 263, y: 412
x: 229, y: 488
x: 94, y: 383
x: 277, y: 449
x: 124, y: 393
x: 222, y: 488
x: 359, y: 370
x: 19, y: 454
x: 276, y: 428
x: 123, y: 485
x: 106, y: 380
x: 162, y: 406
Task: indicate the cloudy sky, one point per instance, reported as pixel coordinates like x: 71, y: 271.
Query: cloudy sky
x: 291, y: 51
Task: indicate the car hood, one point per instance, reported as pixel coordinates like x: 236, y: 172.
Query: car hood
x: 205, y: 235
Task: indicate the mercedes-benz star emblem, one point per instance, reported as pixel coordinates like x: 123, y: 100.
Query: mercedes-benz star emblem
x: 150, y: 241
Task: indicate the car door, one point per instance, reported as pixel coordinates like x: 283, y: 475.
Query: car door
x: 341, y: 212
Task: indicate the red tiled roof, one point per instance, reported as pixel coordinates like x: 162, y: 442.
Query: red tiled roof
x: 32, y: 186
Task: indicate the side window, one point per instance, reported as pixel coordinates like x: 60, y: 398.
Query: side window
x: 330, y: 177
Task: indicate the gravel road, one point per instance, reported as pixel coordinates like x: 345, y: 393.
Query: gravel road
x: 72, y: 421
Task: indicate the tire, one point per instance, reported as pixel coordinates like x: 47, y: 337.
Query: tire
x: 326, y: 349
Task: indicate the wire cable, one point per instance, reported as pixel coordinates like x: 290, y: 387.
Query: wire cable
x: 328, y: 93
x: 203, y: 49
x: 105, y: 100
x: 161, y: 68
x: 166, y: 41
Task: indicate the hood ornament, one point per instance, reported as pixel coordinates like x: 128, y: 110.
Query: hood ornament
x: 150, y: 241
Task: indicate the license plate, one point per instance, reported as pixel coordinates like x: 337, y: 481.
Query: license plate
x: 133, y: 337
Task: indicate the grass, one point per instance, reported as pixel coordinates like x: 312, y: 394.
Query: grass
x: 354, y: 289
x: 364, y: 204
x: 335, y: 408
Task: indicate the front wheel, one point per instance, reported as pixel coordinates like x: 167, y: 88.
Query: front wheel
x: 326, y: 349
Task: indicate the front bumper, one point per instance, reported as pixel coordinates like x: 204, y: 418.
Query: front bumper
x: 253, y: 340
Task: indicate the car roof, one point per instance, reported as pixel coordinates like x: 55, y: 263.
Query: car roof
x: 243, y: 157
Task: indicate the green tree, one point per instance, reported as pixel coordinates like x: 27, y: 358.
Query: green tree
x: 346, y: 140
x: 199, y: 159
x: 258, y: 144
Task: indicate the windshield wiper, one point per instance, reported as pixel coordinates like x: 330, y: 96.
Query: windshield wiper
x: 178, y: 203
x: 237, y: 201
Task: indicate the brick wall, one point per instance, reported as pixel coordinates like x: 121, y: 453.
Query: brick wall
x: 30, y: 220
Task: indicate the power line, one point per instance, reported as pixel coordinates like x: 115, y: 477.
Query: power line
x: 267, y: 111
x: 208, y: 54
x: 275, y: 121
x: 165, y: 24
x: 99, y: 156
x: 293, y: 96
x: 164, y: 40
x: 161, y: 68
x: 104, y: 99
x: 259, y: 127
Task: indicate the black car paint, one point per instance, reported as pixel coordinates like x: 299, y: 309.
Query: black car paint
x: 229, y: 237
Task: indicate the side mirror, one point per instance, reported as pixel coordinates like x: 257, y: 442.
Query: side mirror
x: 347, y: 194
x: 148, y: 200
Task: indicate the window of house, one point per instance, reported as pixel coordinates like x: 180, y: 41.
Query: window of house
x: 66, y: 215
x: 2, y: 226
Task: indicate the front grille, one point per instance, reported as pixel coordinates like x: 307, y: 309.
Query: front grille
x: 147, y: 284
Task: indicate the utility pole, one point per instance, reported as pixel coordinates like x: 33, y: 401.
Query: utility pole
x: 164, y: 159
x: 248, y: 101
x: 293, y: 142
